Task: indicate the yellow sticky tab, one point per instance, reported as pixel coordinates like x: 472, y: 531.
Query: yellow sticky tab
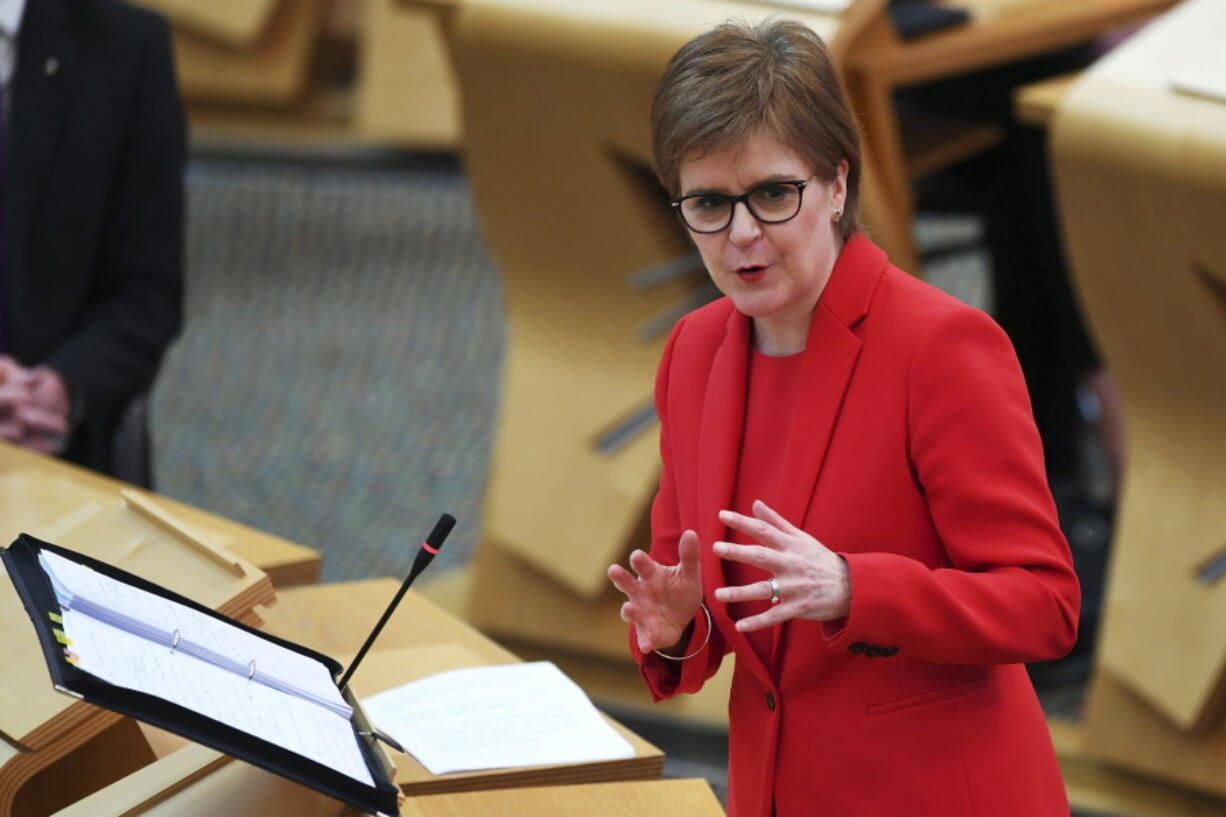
x: 71, y: 657
x: 60, y: 637
x: 56, y: 617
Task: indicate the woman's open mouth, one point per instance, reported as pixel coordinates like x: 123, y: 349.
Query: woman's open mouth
x: 752, y: 273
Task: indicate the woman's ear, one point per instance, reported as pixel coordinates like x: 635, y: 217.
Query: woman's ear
x: 840, y: 184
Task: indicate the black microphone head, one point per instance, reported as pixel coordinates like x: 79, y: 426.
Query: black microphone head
x: 441, y: 529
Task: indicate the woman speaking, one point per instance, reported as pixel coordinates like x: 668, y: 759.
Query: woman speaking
x: 852, y: 497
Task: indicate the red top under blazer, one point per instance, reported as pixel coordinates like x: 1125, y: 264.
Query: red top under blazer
x: 916, y: 459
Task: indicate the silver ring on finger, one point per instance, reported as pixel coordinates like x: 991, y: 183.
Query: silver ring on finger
x: 774, y: 583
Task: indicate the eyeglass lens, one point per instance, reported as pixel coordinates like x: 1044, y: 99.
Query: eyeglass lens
x: 769, y: 203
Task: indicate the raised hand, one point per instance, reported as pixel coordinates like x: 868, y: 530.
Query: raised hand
x: 814, y: 581
x: 662, y: 600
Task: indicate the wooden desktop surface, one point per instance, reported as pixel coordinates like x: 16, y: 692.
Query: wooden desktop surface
x: 676, y: 798
x: 35, y: 489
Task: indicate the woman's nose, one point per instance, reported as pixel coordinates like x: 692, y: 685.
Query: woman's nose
x: 744, y: 228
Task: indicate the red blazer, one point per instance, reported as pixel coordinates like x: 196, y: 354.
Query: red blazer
x: 918, y: 461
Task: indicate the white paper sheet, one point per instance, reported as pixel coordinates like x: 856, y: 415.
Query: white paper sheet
x: 300, y: 726
x: 496, y: 717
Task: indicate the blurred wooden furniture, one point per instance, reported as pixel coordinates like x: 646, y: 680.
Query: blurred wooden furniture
x: 236, y: 23
x: 35, y: 491
x: 1140, y: 172
x: 1141, y: 178
x: 315, y: 75
x: 1000, y: 31
x: 407, y: 92
x: 54, y: 749
x: 1035, y: 104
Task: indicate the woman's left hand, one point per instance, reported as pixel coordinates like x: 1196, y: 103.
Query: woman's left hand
x: 814, y: 581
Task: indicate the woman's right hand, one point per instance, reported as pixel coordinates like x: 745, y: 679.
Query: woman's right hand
x: 662, y: 600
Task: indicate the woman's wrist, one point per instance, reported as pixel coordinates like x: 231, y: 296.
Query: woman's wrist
x: 674, y: 653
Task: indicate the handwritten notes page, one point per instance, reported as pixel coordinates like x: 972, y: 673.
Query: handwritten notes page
x: 133, y: 662
x: 496, y: 717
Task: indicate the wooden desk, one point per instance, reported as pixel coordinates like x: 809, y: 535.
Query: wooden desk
x: 676, y: 798
x: 36, y: 490
x: 1001, y: 31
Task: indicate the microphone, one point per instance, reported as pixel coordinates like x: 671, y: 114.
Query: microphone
x: 429, y: 549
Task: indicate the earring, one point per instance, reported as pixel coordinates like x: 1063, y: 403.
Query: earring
x: 837, y: 215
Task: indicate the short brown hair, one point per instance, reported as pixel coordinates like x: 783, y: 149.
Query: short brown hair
x: 724, y: 84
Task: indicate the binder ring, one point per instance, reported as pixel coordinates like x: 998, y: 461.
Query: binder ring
x: 175, y: 644
x: 250, y: 670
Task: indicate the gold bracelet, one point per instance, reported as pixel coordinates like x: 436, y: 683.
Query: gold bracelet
x: 701, y: 646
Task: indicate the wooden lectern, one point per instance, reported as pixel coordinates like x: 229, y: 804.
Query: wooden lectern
x: 1140, y: 171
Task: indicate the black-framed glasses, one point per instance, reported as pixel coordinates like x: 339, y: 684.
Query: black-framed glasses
x: 770, y: 203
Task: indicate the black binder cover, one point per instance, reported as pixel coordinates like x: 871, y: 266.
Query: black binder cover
x: 34, y: 587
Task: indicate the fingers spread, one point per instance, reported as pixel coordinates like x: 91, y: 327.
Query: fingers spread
x: 643, y: 565
x: 773, y: 616
x: 760, y: 530
x: 750, y: 554
x: 772, y: 517
x: 746, y: 592
x: 687, y: 548
x: 622, y: 579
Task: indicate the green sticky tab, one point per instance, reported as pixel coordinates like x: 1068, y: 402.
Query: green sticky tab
x: 60, y: 637
x: 56, y: 617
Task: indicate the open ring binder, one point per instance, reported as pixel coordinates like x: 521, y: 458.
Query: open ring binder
x: 26, y: 560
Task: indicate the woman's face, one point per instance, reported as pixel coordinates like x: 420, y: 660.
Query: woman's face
x: 768, y: 270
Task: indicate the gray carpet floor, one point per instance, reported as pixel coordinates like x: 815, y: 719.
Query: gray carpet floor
x: 340, y: 369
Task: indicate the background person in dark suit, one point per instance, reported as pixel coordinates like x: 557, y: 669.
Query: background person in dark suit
x: 91, y: 219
